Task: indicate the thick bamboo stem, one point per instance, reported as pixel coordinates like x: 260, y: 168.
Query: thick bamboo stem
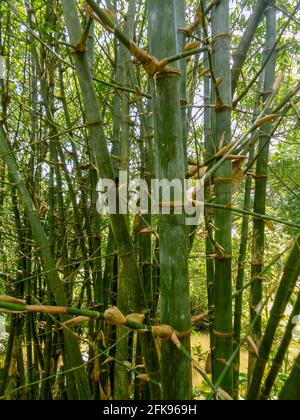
x: 285, y: 290
x: 221, y: 132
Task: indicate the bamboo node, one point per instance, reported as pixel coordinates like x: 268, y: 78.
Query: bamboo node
x: 125, y: 254
x: 59, y: 310
x: 93, y: 123
x: 220, y: 106
x: 258, y: 218
x: 113, y: 316
x: 221, y: 35
x: 223, y: 334
x: 221, y: 256
x: 184, y: 334
x: 162, y: 331
x: 238, y: 54
x: 190, y: 29
x: 261, y: 176
x: 279, y: 316
x: 94, y: 16
x: 223, y: 180
x: 150, y: 63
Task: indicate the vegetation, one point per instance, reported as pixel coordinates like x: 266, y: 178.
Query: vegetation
x: 109, y: 305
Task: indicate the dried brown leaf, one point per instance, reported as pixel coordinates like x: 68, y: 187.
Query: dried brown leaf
x: 237, y: 175
x: 162, y: 331
x: 266, y: 119
x: 108, y: 360
x: 219, y: 81
x: 197, y: 172
x: 143, y: 377
x: 96, y: 372
x: 192, y: 45
x: 224, y: 149
x: 278, y: 82
x: 76, y: 321
x: 138, y: 318
x: 58, y: 262
x: 146, y: 230
x: 175, y: 340
x: 208, y: 364
x: 269, y: 225
x: 252, y: 345
x: 10, y: 299
x: 113, y: 316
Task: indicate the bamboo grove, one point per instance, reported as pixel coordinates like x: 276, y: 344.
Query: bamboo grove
x: 107, y: 306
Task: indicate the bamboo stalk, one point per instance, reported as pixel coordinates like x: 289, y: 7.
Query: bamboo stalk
x: 291, y: 389
x: 223, y: 328
x: 241, y: 54
x: 281, y: 352
x: 209, y: 245
x: 47, y: 259
x: 129, y: 274
x: 121, y: 389
x: 261, y: 179
x: 242, y: 259
x: 285, y: 290
x: 170, y: 164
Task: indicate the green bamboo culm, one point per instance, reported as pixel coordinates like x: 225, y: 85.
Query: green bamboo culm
x: 238, y: 309
x: 281, y: 352
x: 261, y: 179
x: 121, y: 380
x: 209, y: 245
x: 129, y: 274
x: 246, y: 41
x: 221, y: 133
x: 170, y: 165
x: 291, y: 389
x: 285, y: 290
x: 72, y: 350
x: 180, y: 11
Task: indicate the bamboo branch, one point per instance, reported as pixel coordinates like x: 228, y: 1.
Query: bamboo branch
x: 269, y: 56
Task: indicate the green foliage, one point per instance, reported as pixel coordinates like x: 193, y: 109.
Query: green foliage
x: 60, y: 127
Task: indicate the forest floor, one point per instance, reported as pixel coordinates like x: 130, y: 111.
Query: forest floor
x: 200, y: 343
x: 200, y: 340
